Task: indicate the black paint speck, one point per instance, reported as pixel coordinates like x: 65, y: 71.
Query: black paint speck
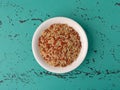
x: 87, y: 61
x: 48, y: 15
x: 113, y: 53
x: 97, y: 2
x: 93, y: 59
x: 74, y: 14
x: 34, y: 24
x: 98, y: 72
x: 88, y: 19
x: 26, y: 34
x: 113, y: 72
x: 115, y: 28
x: 12, y: 24
x: 10, y: 20
x: 9, y: 35
x: 85, y: 14
x: 16, y: 35
x: 107, y: 71
x: 83, y: 9
x: 38, y: 19
x: 13, y: 36
x: 117, y: 4
x: 81, y: 15
x: 95, y: 51
x: 16, y: 14
x: 23, y: 21
x: 0, y: 22
x: 1, y: 81
x: 37, y: 74
x: 41, y: 73
x: 118, y: 45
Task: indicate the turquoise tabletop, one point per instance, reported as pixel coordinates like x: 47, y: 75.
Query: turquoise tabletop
x: 18, y: 22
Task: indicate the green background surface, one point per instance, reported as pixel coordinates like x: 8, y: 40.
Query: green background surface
x: 19, y: 20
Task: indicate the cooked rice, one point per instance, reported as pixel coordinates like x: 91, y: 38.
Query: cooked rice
x: 59, y: 45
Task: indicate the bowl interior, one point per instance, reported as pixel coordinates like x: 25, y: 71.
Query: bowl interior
x: 83, y: 40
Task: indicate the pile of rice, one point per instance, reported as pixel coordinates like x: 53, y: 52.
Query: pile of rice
x: 59, y: 45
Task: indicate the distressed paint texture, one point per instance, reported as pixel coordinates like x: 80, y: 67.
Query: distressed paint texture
x: 99, y: 71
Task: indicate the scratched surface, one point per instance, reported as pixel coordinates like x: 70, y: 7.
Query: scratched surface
x: 20, y: 18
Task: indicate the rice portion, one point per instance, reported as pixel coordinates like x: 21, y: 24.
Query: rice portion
x: 59, y: 45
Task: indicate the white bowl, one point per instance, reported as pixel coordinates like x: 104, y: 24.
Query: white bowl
x: 83, y: 39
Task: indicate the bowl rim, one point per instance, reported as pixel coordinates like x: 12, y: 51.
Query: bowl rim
x: 62, y: 68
